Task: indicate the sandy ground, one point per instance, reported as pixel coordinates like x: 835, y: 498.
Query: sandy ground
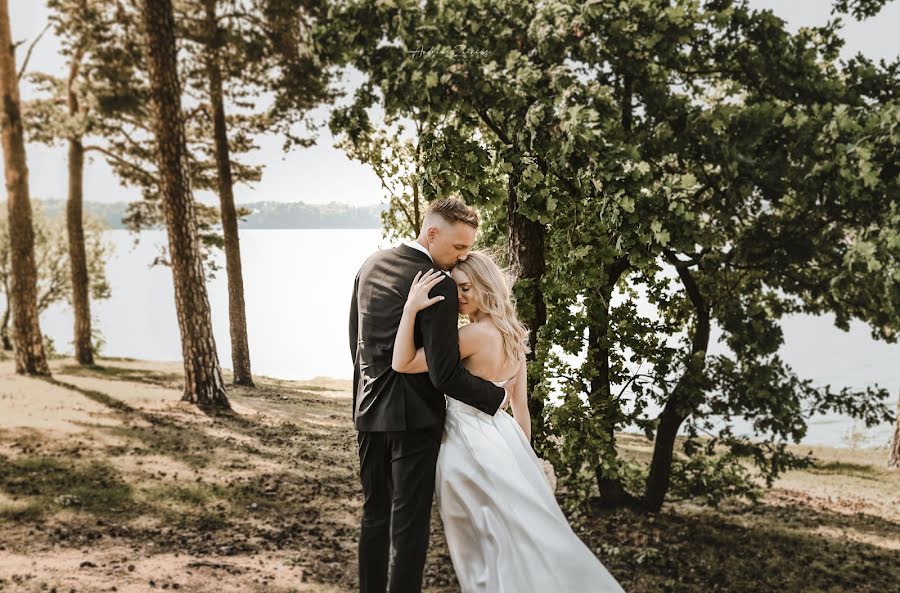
x: 108, y: 482
x: 113, y: 570
x: 55, y: 418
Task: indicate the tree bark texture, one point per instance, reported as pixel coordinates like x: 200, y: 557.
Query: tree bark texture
x: 29, y: 344
x: 203, y: 378
x: 81, y: 303
x: 237, y: 315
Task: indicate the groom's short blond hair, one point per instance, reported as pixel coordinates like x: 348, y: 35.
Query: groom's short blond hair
x: 453, y: 210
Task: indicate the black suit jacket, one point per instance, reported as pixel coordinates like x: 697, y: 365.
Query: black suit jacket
x: 383, y: 399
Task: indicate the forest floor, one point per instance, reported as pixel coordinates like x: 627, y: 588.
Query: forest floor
x: 109, y: 483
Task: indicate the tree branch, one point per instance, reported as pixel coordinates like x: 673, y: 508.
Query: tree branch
x: 542, y: 165
x: 28, y: 53
x: 120, y: 160
x: 134, y: 143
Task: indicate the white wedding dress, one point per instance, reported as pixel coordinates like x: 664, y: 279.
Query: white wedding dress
x: 504, y: 528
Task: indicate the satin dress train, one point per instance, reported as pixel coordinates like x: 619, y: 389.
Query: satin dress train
x: 504, y: 529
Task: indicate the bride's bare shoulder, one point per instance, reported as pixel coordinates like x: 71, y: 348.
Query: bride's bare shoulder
x: 480, y: 330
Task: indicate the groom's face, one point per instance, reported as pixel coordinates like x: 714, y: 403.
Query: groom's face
x: 450, y: 243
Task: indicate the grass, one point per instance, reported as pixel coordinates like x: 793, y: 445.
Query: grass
x: 841, y: 468
x: 50, y: 485
x: 22, y: 513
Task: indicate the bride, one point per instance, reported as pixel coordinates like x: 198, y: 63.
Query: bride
x: 504, y: 528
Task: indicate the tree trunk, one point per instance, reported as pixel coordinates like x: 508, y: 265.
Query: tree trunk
x: 525, y: 243
x: 240, y: 348
x: 4, y: 327
x: 81, y: 303
x: 894, y: 460
x: 657, y: 485
x: 203, y: 383
x: 612, y: 492
x: 30, y: 356
x: 677, y: 408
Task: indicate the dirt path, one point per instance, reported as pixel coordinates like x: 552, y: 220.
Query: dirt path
x: 109, y: 483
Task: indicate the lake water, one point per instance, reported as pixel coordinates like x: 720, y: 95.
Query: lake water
x: 297, y: 289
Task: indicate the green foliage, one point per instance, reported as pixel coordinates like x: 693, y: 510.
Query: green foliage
x: 50, y: 347
x: 711, y: 480
x: 262, y: 54
x: 54, y: 281
x: 97, y: 341
x: 860, y: 9
x: 395, y: 157
x: 697, y: 156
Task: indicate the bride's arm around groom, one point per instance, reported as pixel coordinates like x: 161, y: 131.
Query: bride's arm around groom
x: 440, y: 340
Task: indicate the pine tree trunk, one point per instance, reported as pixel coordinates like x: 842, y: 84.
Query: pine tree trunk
x: 240, y: 347
x: 525, y: 244
x: 894, y: 460
x: 203, y: 383
x: 29, y: 344
x: 81, y: 303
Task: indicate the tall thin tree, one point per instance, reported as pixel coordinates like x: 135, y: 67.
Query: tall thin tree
x: 81, y: 303
x: 240, y: 348
x: 30, y: 356
x: 65, y: 110
x: 203, y: 377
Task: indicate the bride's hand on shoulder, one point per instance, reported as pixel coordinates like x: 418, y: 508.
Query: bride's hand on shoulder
x: 418, y: 298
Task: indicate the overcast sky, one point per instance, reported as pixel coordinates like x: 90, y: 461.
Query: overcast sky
x: 322, y: 173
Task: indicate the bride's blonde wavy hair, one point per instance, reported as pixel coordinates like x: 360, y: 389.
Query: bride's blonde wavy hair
x: 494, y: 289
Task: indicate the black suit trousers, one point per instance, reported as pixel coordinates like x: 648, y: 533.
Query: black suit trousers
x: 397, y: 473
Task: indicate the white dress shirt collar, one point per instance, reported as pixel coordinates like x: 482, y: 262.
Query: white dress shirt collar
x: 417, y: 245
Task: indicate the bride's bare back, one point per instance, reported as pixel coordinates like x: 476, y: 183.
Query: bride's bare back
x: 488, y: 361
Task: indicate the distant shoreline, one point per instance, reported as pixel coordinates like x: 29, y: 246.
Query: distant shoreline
x: 267, y: 215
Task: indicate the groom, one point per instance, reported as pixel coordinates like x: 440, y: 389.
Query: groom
x: 400, y: 417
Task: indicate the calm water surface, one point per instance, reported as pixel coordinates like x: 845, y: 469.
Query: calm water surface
x: 297, y: 290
